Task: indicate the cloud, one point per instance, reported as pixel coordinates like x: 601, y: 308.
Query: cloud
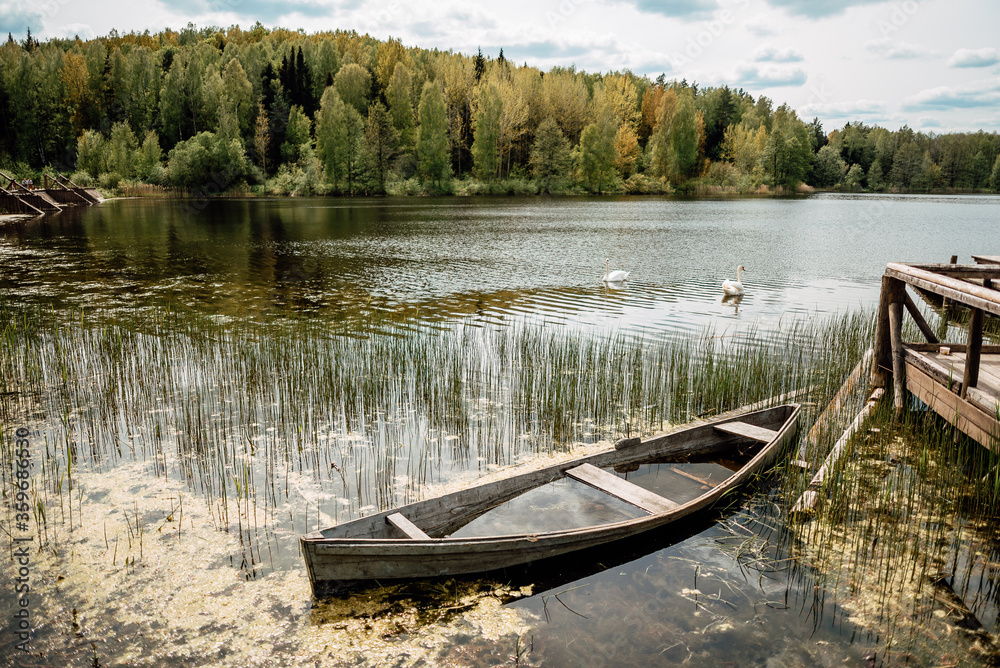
x: 928, y: 122
x: 773, y: 54
x: 268, y: 13
x: 979, y: 94
x: 815, y: 9
x: 897, y: 50
x: 974, y: 58
x: 676, y: 8
x: 761, y: 26
x: 858, y: 109
x: 17, y: 16
x: 768, y: 76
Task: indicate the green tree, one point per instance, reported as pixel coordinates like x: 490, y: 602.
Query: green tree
x: 829, y: 168
x: 597, y: 152
x: 485, y: 147
x: 354, y: 85
x: 149, y: 156
x: 788, y: 152
x: 401, y: 106
x: 995, y: 175
x: 91, y: 152
x: 381, y: 140
x: 121, y: 150
x: 297, y: 135
x: 675, y: 140
x: 432, y: 139
x: 339, y: 133
x: 980, y: 172
x: 855, y: 175
x: 550, y: 155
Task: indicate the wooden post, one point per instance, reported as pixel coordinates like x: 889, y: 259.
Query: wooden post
x: 880, y: 357
x: 944, y: 300
x: 973, y: 351
x: 898, y: 365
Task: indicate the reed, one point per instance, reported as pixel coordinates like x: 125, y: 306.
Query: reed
x: 281, y: 426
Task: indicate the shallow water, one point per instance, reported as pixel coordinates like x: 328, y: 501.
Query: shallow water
x: 162, y: 567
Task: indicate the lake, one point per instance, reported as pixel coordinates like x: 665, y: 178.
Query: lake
x: 176, y: 465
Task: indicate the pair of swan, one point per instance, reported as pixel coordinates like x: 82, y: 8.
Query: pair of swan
x: 734, y: 288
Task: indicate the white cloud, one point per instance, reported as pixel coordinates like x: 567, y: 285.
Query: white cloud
x: 768, y: 76
x: 775, y: 55
x: 975, y: 58
x: 858, y: 109
x: 897, y: 50
x: 977, y: 94
x: 761, y: 26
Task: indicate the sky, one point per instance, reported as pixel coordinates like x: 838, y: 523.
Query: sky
x: 933, y: 65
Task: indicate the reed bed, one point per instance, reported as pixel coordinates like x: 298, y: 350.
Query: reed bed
x: 284, y: 426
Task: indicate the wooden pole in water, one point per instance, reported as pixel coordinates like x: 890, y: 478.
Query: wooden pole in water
x: 898, y: 364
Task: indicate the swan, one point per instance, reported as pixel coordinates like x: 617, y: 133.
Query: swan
x: 616, y: 276
x: 734, y: 287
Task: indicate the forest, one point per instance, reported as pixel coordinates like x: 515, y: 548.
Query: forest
x: 283, y: 112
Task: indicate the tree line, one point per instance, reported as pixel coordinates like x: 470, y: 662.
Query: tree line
x: 339, y: 112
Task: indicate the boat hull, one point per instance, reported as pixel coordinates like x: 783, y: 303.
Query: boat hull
x: 371, y: 549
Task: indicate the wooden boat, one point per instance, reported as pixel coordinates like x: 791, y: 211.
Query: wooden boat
x: 615, y: 494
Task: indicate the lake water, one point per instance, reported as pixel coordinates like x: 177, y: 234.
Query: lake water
x: 712, y: 595
x: 421, y: 261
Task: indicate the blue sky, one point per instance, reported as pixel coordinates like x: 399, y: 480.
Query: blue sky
x: 931, y: 64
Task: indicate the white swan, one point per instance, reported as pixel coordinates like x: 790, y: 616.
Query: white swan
x: 617, y: 276
x: 734, y: 287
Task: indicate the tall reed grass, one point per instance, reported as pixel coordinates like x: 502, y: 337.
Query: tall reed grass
x: 287, y: 425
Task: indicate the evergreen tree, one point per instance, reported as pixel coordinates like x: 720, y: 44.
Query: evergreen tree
x: 550, y: 155
x: 995, y: 175
x: 380, y: 143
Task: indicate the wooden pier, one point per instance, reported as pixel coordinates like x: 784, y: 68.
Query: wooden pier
x: 56, y: 193
x: 958, y: 381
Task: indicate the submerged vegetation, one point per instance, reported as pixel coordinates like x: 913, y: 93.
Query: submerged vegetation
x: 276, y: 111
x: 171, y: 447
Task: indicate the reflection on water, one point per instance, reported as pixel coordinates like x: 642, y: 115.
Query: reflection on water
x: 407, y: 262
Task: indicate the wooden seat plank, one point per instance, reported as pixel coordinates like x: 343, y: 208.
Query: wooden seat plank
x: 406, y: 526
x: 611, y: 484
x: 747, y: 431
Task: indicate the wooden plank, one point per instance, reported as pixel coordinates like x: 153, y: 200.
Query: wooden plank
x: 691, y: 476
x: 948, y: 378
x: 963, y: 292
x: 955, y: 348
x: 611, y: 484
x: 747, y: 431
x: 809, y: 498
x: 406, y: 526
x: 989, y: 403
x: 964, y: 415
x: 960, y: 270
x: 987, y: 259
